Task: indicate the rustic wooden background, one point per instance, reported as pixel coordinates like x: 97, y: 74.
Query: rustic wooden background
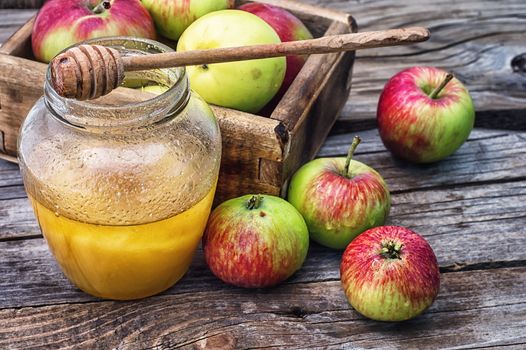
x: 471, y: 208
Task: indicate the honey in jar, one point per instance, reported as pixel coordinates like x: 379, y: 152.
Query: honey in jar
x: 122, y: 189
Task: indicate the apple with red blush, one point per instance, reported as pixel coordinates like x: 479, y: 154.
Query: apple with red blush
x: 339, y: 198
x: 424, y: 114
x: 289, y: 28
x: 390, y: 273
x: 255, y: 241
x: 62, y: 23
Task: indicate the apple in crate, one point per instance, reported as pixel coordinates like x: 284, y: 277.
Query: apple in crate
x: 390, y: 273
x: 172, y: 17
x: 62, y: 23
x: 289, y: 28
x: 424, y: 114
x: 255, y: 241
x: 244, y: 85
x: 339, y: 198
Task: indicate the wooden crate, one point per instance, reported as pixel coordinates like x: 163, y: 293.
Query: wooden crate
x: 259, y: 154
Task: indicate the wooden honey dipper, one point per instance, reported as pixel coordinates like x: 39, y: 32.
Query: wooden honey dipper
x: 90, y: 71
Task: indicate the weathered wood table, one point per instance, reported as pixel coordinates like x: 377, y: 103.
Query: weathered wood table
x: 471, y: 207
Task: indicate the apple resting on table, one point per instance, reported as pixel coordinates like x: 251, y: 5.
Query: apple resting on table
x: 245, y: 85
x: 339, y: 198
x: 62, y: 23
x: 255, y: 241
x: 424, y: 114
x: 172, y: 17
x: 390, y: 273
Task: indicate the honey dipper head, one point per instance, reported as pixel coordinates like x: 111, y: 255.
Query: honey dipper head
x: 86, y: 72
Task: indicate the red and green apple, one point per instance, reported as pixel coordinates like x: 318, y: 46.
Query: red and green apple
x: 289, y: 28
x: 424, y: 114
x: 255, y: 241
x: 390, y: 273
x: 339, y: 198
x: 62, y: 23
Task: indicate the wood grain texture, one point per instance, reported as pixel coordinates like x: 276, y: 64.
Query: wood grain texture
x: 488, y: 157
x: 12, y: 20
x: 21, y: 4
x: 21, y: 84
x: 473, y: 309
x: 475, y: 40
x: 19, y: 42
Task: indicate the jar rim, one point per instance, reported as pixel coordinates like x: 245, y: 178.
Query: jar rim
x: 130, y: 114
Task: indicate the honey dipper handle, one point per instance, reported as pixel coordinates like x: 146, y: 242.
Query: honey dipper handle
x: 90, y: 71
x: 328, y: 44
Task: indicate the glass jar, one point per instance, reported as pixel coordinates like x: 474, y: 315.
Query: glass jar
x: 122, y: 186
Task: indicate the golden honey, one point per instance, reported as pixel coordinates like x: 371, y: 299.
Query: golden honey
x: 125, y: 262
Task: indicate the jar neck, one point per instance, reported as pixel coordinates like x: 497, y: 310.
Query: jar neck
x: 131, y: 106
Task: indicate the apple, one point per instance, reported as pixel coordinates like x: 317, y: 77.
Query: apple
x: 172, y: 17
x: 339, y: 198
x: 390, y: 273
x: 255, y: 241
x: 289, y: 28
x: 62, y: 23
x: 424, y: 114
x: 243, y: 85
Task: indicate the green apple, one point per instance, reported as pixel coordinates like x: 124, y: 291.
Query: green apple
x: 243, y: 85
x: 172, y: 17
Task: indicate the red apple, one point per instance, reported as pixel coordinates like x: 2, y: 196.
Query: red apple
x: 289, y: 28
x: 339, y: 198
x: 390, y: 273
x: 424, y: 114
x: 255, y: 241
x: 62, y: 23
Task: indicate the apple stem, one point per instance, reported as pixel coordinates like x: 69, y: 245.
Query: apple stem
x: 102, y: 6
x: 355, y: 141
x: 254, y: 202
x: 438, y: 89
x: 391, y: 250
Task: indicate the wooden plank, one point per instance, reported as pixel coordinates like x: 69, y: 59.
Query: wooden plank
x: 21, y: 4
x: 12, y: 20
x: 475, y: 40
x: 473, y: 309
x: 9, y: 174
x: 468, y: 227
x: 19, y: 44
x: 488, y: 157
